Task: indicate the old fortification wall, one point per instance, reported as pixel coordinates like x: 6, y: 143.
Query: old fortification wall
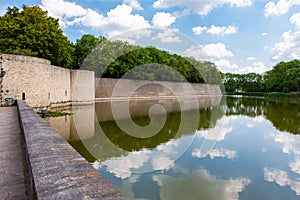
x: 41, y: 83
x: 106, y: 88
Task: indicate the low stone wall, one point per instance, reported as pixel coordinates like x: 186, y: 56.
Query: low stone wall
x: 107, y: 88
x: 57, y: 170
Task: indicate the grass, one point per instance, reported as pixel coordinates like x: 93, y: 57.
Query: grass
x: 54, y: 114
x: 266, y: 94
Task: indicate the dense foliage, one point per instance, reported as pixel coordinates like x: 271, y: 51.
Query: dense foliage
x: 33, y: 32
x: 116, y: 59
x: 284, y: 77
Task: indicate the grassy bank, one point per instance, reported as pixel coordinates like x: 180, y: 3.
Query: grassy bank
x: 266, y: 94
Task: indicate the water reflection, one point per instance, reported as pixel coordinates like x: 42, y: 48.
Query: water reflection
x: 283, y: 113
x: 255, y: 155
x: 201, y: 184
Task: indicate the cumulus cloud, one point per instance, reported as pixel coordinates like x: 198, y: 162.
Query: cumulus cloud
x: 225, y: 65
x: 295, y: 165
x: 201, y: 7
x: 288, y: 48
x: 134, y: 4
x: 251, y: 58
x: 215, y: 153
x: 117, y: 20
x: 280, y: 8
x: 198, y: 30
x: 163, y: 19
x: 222, y: 30
x: 257, y: 67
x: 290, y: 145
x: 281, y: 178
x: 209, y: 51
x: 295, y: 20
x: 223, y: 188
x: 215, y: 30
x: 168, y: 36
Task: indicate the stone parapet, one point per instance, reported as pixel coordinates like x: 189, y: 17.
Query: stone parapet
x: 57, y: 170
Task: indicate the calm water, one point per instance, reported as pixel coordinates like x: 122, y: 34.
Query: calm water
x: 234, y: 148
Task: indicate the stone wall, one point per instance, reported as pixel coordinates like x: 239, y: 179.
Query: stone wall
x: 41, y: 83
x: 106, y: 88
x: 56, y: 169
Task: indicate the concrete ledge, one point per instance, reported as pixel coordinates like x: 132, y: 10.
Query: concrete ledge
x: 57, y: 170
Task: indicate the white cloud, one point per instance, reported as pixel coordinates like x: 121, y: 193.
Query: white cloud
x: 145, y: 160
x: 134, y: 4
x: 288, y: 48
x: 219, y: 132
x: 216, y: 30
x: 280, y: 8
x: 225, y: 65
x: 122, y: 167
x: 264, y: 34
x: 162, y: 163
x: 251, y: 58
x: 61, y: 8
x: 290, y: 145
x: 295, y: 165
x: 222, y: 30
x: 118, y: 20
x: 295, y: 19
x: 121, y: 20
x: 281, y: 178
x: 3, y: 9
x: 209, y: 51
x: 198, y: 30
x: 163, y: 19
x: 93, y: 19
x: 200, y: 7
x: 215, y: 153
x: 191, y: 184
x: 168, y: 36
x: 257, y: 67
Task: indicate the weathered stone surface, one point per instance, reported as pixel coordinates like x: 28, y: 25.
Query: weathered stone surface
x: 107, y: 88
x: 59, y: 172
x: 42, y: 83
x: 12, y: 181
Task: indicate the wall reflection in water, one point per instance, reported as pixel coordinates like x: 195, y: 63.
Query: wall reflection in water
x: 93, y: 129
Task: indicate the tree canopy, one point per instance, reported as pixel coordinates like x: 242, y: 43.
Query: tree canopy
x: 114, y: 59
x: 33, y: 32
x: 284, y: 77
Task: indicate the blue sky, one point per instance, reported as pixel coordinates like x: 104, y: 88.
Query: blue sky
x: 239, y: 36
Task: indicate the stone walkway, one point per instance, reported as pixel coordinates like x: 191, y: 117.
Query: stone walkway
x: 12, y: 181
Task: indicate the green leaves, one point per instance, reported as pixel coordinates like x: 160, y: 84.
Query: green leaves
x: 33, y: 32
x: 284, y: 77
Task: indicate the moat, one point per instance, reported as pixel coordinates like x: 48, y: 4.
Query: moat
x: 229, y: 148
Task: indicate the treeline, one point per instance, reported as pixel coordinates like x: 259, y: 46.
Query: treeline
x: 31, y: 31
x: 116, y: 59
x: 283, y: 78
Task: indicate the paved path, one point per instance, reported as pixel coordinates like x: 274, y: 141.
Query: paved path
x: 12, y: 184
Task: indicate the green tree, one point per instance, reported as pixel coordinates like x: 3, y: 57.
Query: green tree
x: 84, y: 46
x: 284, y: 77
x: 33, y: 32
